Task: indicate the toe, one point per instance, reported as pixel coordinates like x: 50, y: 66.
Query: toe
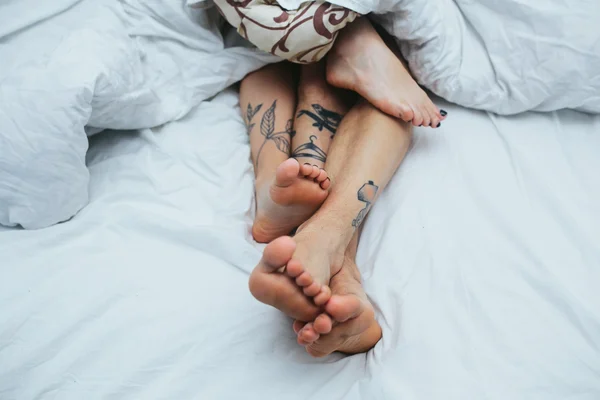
x: 323, y: 296
x: 418, y: 118
x: 312, y: 290
x: 322, y: 176
x: 304, y: 279
x: 343, y: 308
x: 315, y: 172
x: 405, y: 112
x: 308, y: 334
x: 436, y: 116
x: 297, y: 326
x: 326, y: 184
x: 435, y: 121
x: 426, y: 117
x: 287, y: 172
x: 323, y: 324
x: 306, y: 169
x: 294, y: 268
x: 278, y: 253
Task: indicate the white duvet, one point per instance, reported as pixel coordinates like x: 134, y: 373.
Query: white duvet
x: 481, y: 257
x: 505, y: 56
x: 97, y: 64
x: 72, y: 65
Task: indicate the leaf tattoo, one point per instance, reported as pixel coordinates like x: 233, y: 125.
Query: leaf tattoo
x: 267, y: 124
x: 282, y: 143
x: 267, y: 129
x: 250, y: 113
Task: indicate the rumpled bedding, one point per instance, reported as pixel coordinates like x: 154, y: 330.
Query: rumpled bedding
x: 75, y: 67
x: 506, y: 57
x: 100, y: 64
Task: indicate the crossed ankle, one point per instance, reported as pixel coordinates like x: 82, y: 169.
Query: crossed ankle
x: 329, y: 235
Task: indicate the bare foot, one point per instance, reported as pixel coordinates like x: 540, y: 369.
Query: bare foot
x: 299, y: 290
x: 362, y: 62
x: 288, y: 200
x: 316, y: 259
x: 271, y: 284
x: 352, y: 327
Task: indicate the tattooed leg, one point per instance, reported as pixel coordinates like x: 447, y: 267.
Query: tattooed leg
x: 268, y: 101
x: 287, y: 193
x: 379, y: 75
x: 319, y: 113
x: 367, y: 149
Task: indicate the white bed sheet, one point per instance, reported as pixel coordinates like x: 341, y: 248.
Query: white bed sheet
x: 482, y: 258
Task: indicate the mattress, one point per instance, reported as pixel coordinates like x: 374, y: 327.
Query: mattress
x: 482, y: 258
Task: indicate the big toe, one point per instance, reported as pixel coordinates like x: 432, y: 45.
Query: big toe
x: 405, y: 112
x: 278, y: 253
x: 343, y: 308
x: 287, y: 172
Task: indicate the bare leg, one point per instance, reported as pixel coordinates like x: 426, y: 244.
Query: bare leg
x: 361, y: 61
x: 286, y: 192
x: 319, y: 113
x: 368, y: 148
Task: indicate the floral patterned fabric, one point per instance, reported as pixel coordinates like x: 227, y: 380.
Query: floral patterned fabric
x: 303, y: 36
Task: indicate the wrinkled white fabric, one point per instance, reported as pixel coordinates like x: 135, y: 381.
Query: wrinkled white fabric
x: 504, y: 56
x: 481, y: 257
x: 130, y: 64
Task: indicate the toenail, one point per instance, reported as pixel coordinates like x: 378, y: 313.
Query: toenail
x: 443, y: 113
x: 307, y: 163
x: 438, y: 125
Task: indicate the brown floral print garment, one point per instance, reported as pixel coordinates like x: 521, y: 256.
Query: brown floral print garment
x: 302, y: 36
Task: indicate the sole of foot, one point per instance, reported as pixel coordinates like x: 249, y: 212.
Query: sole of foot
x: 279, y: 281
x: 379, y: 76
x: 288, y: 199
x: 349, y: 324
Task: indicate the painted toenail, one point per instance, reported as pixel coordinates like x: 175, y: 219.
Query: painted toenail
x: 443, y: 113
x: 438, y: 125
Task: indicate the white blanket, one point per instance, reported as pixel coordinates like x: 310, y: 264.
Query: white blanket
x: 481, y: 258
x: 506, y: 56
x: 102, y: 64
x: 136, y: 64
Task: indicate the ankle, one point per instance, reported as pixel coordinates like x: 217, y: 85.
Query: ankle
x: 329, y: 235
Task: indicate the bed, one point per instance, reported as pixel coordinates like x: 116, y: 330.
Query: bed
x: 482, y: 258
